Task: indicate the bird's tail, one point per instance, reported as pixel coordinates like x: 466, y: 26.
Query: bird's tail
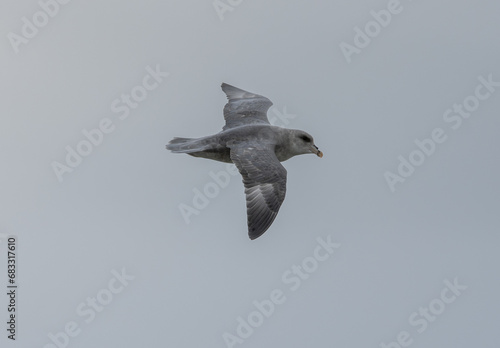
x: 185, y: 145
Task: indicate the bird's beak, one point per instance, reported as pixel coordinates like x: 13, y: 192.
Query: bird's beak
x: 315, y: 150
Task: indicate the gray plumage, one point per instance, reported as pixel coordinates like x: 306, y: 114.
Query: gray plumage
x: 256, y: 148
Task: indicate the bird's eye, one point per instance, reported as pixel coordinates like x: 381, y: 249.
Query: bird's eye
x: 305, y: 138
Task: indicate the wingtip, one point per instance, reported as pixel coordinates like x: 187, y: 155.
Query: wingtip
x: 225, y: 85
x: 253, y: 235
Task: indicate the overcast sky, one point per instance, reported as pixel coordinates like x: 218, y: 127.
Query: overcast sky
x: 392, y: 236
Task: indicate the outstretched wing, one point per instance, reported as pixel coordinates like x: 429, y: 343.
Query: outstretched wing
x: 265, y: 184
x: 244, y: 107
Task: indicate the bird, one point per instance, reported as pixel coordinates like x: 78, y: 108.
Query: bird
x: 256, y: 148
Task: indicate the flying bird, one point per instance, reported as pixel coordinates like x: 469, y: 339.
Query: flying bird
x: 256, y: 148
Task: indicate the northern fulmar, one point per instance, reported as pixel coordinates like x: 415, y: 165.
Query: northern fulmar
x: 256, y: 148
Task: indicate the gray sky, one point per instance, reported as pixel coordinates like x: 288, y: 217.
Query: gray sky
x: 415, y: 228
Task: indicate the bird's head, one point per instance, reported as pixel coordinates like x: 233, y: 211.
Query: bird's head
x: 303, y: 143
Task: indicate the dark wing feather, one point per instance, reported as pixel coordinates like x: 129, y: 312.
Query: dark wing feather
x: 265, y: 184
x: 244, y: 108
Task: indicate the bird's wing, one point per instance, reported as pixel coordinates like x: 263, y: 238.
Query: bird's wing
x: 244, y: 108
x: 265, y: 183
